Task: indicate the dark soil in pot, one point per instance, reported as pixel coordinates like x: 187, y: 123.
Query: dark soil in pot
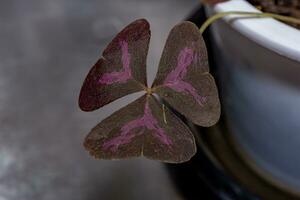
x: 283, y: 7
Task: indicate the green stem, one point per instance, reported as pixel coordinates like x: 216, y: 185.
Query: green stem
x: 215, y: 17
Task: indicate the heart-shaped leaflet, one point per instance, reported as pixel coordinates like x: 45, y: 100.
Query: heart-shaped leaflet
x: 140, y: 129
x: 183, y: 78
x: 146, y: 127
x: 121, y: 70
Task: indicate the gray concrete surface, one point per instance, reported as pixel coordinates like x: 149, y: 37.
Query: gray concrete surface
x: 46, y: 50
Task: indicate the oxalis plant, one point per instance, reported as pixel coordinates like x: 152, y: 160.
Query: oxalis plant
x: 147, y: 127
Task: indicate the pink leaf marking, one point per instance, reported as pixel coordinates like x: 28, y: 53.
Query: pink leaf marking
x: 119, y: 76
x: 148, y: 121
x: 174, y: 78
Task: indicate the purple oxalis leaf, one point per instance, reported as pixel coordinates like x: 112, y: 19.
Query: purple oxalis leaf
x: 121, y: 70
x: 183, y: 78
x: 144, y: 127
x: 144, y: 131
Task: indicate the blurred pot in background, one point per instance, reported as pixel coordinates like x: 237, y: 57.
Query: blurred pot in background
x: 257, y: 63
x: 253, y: 152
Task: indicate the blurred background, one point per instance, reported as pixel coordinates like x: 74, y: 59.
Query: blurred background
x: 46, y: 50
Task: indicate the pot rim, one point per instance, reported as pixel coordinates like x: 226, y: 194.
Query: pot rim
x: 268, y: 32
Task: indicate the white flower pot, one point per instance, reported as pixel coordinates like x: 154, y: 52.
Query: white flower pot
x: 258, y: 61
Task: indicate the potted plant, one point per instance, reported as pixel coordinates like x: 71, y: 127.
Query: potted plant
x: 247, y: 56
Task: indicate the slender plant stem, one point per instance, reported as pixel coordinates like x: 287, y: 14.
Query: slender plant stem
x: 164, y: 113
x: 215, y: 17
